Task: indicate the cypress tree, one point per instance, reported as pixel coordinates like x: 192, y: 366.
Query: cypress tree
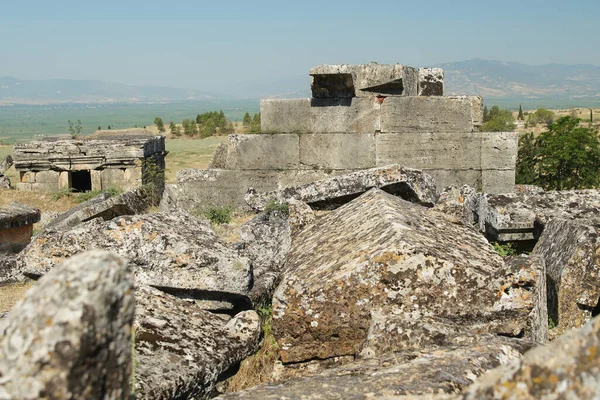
x: 520, y: 117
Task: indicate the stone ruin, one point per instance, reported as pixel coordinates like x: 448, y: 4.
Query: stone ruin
x: 16, y: 227
x: 94, y: 163
x: 359, y: 117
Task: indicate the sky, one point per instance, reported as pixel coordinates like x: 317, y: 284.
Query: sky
x: 226, y: 46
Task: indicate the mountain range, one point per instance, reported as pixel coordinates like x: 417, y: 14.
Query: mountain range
x: 504, y: 83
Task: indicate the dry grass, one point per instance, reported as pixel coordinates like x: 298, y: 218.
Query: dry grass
x: 10, y: 294
x: 42, y: 200
x: 230, y: 232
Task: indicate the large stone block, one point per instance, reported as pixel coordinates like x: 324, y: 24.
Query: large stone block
x: 571, y: 250
x: 356, y: 115
x: 285, y: 116
x: 427, y: 150
x: 263, y: 152
x: 431, y: 82
x: 427, y: 114
x: 337, y: 151
x: 499, y: 150
x: 455, y: 177
x: 365, y: 80
x: 380, y: 253
x: 113, y: 177
x: 47, y: 177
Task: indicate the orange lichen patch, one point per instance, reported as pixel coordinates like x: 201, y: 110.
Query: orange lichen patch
x: 387, y: 258
x: 183, y: 259
x: 151, y: 236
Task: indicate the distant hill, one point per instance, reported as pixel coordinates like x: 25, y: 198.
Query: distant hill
x: 54, y: 91
x: 552, y: 85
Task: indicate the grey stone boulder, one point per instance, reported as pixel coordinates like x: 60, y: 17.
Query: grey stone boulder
x: 567, y: 368
x: 15, y: 215
x: 382, y: 253
x: 265, y: 241
x: 8, y: 265
x: 103, y: 206
x: 5, y: 164
x: 431, y: 373
x: 523, y: 216
x: 571, y: 251
x: 300, y: 215
x: 70, y: 336
x: 410, y: 184
x: 182, y: 350
x: 431, y: 82
x: 172, y: 250
x: 460, y: 203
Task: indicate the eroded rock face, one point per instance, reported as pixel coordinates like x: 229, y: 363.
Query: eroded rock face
x: 5, y: 164
x: 16, y: 215
x: 105, y: 207
x: 571, y: 251
x: 429, y: 372
x: 4, y: 182
x: 567, y: 368
x: 181, y: 349
x: 411, y: 184
x: 381, y: 253
x: 266, y: 241
x: 460, y: 203
x: 172, y: 250
x: 300, y: 215
x: 70, y: 336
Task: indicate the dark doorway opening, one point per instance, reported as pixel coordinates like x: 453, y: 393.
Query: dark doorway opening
x: 81, y: 181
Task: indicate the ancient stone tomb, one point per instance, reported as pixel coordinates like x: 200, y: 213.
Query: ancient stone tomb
x: 95, y: 163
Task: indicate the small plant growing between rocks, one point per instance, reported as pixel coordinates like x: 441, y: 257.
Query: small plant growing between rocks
x: 219, y: 215
x: 83, y: 197
x: 274, y: 205
x: 504, y: 250
x: 153, y: 180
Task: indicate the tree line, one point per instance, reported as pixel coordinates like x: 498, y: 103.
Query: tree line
x: 208, y: 124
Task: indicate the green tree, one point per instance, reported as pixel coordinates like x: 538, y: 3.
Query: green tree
x: 159, y: 124
x: 499, y: 120
x: 520, y: 117
x: 541, y: 116
x: 75, y: 129
x: 247, y: 120
x: 188, y: 128
x: 255, y: 125
x: 568, y: 156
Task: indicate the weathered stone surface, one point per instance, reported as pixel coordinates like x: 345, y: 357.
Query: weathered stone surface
x: 424, y: 373
x: 431, y: 82
x: 355, y: 115
x: 16, y: 215
x: 364, y: 80
x: 172, y: 250
x: 499, y: 150
x: 103, y: 206
x: 8, y: 264
x: 219, y: 157
x: 337, y: 151
x: 70, y: 336
x: 285, y: 115
x: 181, y: 349
x: 300, y: 215
x: 495, y: 181
x: 571, y: 250
x: 522, y: 216
x: 567, y: 368
x: 380, y: 252
x: 5, y: 164
x: 428, y: 114
x: 265, y: 241
x: 199, y: 189
x: 459, y: 203
x: 411, y: 184
x: 251, y: 152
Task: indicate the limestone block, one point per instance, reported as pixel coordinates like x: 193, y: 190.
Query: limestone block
x: 572, y: 255
x: 431, y: 82
x: 496, y: 181
x: 477, y: 102
x: 6, y: 163
x: 133, y: 177
x: 306, y: 176
x: 337, y: 151
x: 285, y: 116
x: 45, y: 187
x: 219, y: 157
x: 64, y: 180
x: 382, y: 253
x: 27, y: 177
x: 499, y: 150
x: 47, y: 177
x: 365, y: 80
x: 26, y: 187
x: 70, y: 335
x: 426, y: 150
x: 96, y: 176
x: 427, y: 114
x: 112, y: 177
x: 356, y: 115
x: 411, y: 184
x: 263, y: 152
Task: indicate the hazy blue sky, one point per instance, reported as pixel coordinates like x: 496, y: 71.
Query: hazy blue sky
x: 216, y: 45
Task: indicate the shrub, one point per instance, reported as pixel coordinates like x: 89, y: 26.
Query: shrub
x: 504, y: 250
x: 219, y: 215
x: 274, y: 205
